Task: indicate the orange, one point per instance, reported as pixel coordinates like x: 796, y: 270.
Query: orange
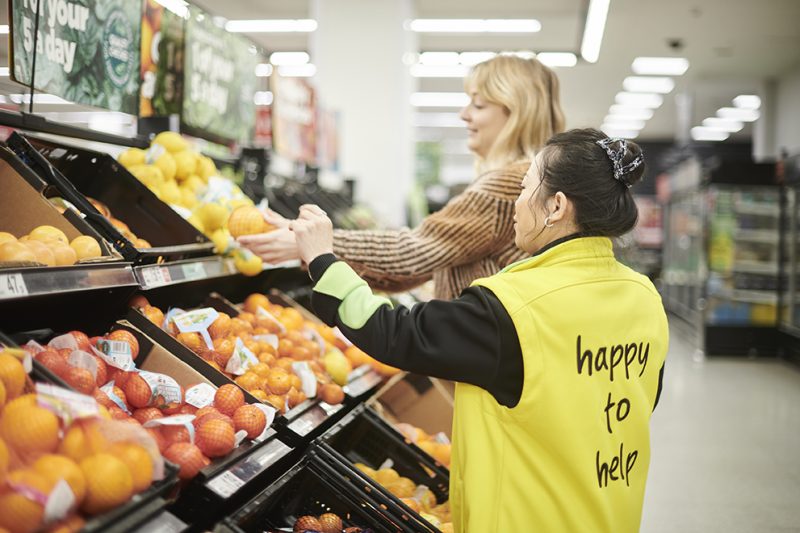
x: 29, y: 430
x: 147, y: 414
x: 102, y: 372
x: 250, y: 318
x: 357, y: 356
x: 285, y: 348
x: 80, y: 379
x: 239, y: 326
x: 137, y: 392
x: 18, y: 513
x: 16, y: 251
x: 247, y: 220
x: 267, y: 357
x: 42, y: 252
x: 193, y: 341
x: 108, y: 483
x: 385, y: 476
x: 173, y: 434
x: 215, y: 438
x: 2, y: 395
x: 251, y: 419
x: 412, y: 504
x: 254, y: 301
x: 188, y: 457
x: 6, y: 237
x: 71, y: 524
x: 295, y: 397
x: 125, y: 336
x: 48, y: 233
x: 248, y: 381
x: 402, y: 487
x: 81, y: 440
x: 224, y: 347
x: 57, y: 467
x: 86, y: 247
x: 277, y: 401
x: 331, y: 393
x: 12, y: 374
x: 260, y: 369
x: 138, y: 462
x: 228, y: 399
x: 158, y: 438
x: 153, y: 314
x: 3, y: 460
x: 279, y: 382
x: 260, y: 395
x: 64, y: 255
x: 216, y: 415
x: 284, y: 363
x: 221, y: 327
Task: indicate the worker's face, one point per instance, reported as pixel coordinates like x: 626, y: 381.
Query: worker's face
x: 529, y: 213
x: 484, y: 121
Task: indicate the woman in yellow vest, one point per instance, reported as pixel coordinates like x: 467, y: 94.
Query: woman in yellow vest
x: 558, y: 358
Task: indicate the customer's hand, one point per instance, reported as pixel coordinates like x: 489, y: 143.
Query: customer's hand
x: 313, y: 231
x: 275, y: 246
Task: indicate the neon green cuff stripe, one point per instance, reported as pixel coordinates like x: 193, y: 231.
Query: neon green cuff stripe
x: 358, y: 302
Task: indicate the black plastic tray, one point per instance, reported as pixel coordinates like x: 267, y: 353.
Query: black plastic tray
x: 311, y: 487
x: 76, y: 173
x: 363, y: 437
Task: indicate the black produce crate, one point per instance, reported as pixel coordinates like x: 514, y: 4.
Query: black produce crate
x: 311, y: 487
x: 141, y: 507
x: 363, y: 437
x: 76, y: 173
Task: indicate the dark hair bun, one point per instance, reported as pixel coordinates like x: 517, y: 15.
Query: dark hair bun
x: 632, y: 152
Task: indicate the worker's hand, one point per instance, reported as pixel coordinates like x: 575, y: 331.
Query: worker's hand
x: 276, y: 246
x: 313, y: 231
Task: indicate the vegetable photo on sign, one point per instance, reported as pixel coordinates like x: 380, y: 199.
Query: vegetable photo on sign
x: 86, y: 51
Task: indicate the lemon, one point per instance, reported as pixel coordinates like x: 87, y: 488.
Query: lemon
x: 248, y: 264
x: 131, y: 157
x: 194, y: 220
x: 206, y: 168
x: 167, y: 165
x: 213, y: 216
x: 170, y: 193
x: 188, y: 198
x: 172, y: 141
x: 194, y: 183
x: 150, y: 175
x: 186, y: 165
x: 221, y: 240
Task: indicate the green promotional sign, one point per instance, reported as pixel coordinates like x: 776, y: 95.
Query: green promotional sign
x: 87, y: 51
x: 219, y: 82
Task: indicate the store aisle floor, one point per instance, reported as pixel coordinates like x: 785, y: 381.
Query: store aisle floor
x: 725, y: 446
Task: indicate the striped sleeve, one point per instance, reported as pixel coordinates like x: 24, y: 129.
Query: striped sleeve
x: 470, y: 227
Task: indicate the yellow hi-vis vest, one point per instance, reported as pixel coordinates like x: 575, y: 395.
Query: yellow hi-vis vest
x: 573, y: 454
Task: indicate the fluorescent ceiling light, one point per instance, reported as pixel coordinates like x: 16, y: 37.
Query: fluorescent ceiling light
x: 179, y: 7
x: 736, y: 113
x: 471, y: 59
x: 4, y: 71
x: 263, y: 98
x: 614, y: 121
x: 297, y: 71
x: 271, y: 26
x: 439, y: 71
x: 593, y: 30
x: 723, y: 124
x: 660, y: 66
x: 747, y: 101
x: 630, y: 112
x: 439, y: 99
x: 263, y: 70
x: 558, y: 59
x: 3, y: 29
x: 439, y: 58
x: 438, y: 120
x: 613, y: 131
x: 289, y: 58
x: 700, y: 133
x: 475, y: 25
x: 37, y: 99
x: 647, y: 84
x: 650, y: 100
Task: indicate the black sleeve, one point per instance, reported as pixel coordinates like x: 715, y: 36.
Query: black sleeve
x: 471, y: 339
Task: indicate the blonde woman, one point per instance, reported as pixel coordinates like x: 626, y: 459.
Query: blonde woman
x: 514, y: 108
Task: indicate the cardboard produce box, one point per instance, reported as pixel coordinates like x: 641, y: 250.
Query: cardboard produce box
x: 23, y: 207
x: 420, y: 401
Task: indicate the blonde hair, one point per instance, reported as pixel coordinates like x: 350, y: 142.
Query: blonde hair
x: 529, y: 91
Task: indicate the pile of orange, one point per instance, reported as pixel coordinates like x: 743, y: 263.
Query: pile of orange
x: 34, y: 457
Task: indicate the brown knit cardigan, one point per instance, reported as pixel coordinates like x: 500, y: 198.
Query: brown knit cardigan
x: 470, y: 238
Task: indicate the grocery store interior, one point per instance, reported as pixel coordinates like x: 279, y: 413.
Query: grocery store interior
x: 162, y: 367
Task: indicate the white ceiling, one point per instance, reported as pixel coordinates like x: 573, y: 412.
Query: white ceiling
x: 733, y: 46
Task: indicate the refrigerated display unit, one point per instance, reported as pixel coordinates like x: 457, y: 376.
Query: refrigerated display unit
x: 722, y: 255
x: 790, y: 299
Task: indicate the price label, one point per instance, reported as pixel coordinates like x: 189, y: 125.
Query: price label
x: 193, y: 271
x: 12, y: 286
x: 155, y: 276
x: 225, y: 484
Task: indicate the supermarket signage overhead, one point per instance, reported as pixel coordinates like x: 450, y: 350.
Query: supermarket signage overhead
x: 87, y: 51
x: 162, y: 61
x: 219, y: 83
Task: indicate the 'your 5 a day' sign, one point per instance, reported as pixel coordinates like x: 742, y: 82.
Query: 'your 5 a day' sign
x: 87, y: 51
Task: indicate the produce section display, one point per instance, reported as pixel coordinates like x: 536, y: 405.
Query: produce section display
x: 47, y: 245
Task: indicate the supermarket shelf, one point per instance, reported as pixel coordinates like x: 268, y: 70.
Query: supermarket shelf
x: 756, y: 267
x: 23, y: 282
x: 748, y: 296
x: 153, y: 276
x: 759, y: 209
x: 766, y: 236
